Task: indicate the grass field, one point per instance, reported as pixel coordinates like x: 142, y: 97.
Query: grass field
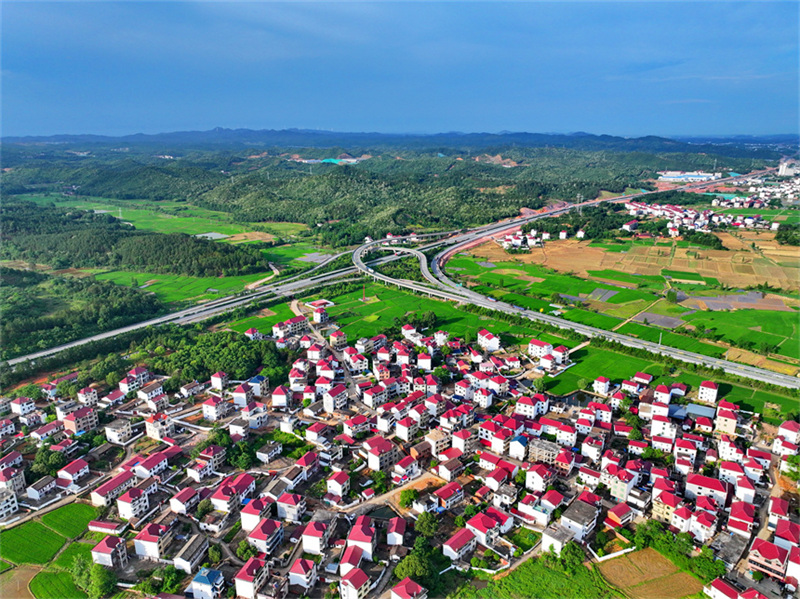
x: 601, y: 321
x: 682, y: 275
x: 29, y: 543
x: 359, y: 319
x: 773, y: 327
x: 70, y: 520
x: 65, y: 558
x: 177, y: 288
x: 591, y: 362
x: 654, y: 334
x: 263, y: 323
x: 534, y: 579
x: 55, y: 585
x: 524, y: 538
x: 168, y: 217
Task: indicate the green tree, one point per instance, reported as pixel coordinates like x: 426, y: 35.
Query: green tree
x: 538, y: 385
x: 427, y: 524
x: 460, y: 522
x: 203, y: 508
x: 582, y: 383
x: 413, y: 566
x: 81, y: 572
x: 793, y: 473
x: 214, y: 554
x: 102, y: 581
x: 245, y: 550
x: 407, y: 497
x: 520, y: 477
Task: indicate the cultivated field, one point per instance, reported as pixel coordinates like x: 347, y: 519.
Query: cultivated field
x: 55, y: 585
x: 769, y: 262
x: 70, y: 520
x: 30, y: 543
x: 66, y: 557
x: 649, y: 575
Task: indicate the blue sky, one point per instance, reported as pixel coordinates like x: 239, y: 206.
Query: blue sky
x: 627, y: 68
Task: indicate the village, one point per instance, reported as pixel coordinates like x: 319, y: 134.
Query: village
x: 370, y: 445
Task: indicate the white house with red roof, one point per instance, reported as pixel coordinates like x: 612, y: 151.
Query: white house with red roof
x: 303, y: 573
x: 335, y: 398
x: 462, y: 543
x: 74, y: 471
x: 291, y: 506
x: 227, y: 497
x: 488, y: 341
x: 698, y: 485
x: 110, y: 552
x: 363, y: 536
x: 281, y: 397
x: 778, y: 511
x: 707, y: 392
x: 787, y: 442
x: 134, y: 503
x: 267, y: 536
x: 315, y: 537
x: 253, y: 512
x: 184, y: 500
x: 152, y: 541
x: 113, y: 488
x: 768, y: 558
x: 742, y: 519
x: 601, y: 386
x: 408, y: 589
x: 787, y: 534
x: 539, y: 349
x: 485, y: 528
x: 251, y: 578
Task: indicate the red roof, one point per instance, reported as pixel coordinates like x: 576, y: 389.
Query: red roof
x: 725, y: 589
x: 362, y: 534
x: 397, y: 525
x: 75, y: 466
x: 460, y: 539
x: 265, y: 529
x: 107, y: 545
x: 315, y: 529
x: 302, y: 566
x: 407, y: 589
x: 356, y: 578
x: 769, y: 551
x: 709, y: 385
x: 251, y: 569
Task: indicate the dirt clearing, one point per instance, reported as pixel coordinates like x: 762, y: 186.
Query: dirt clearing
x: 14, y: 583
x: 252, y: 236
x: 649, y: 575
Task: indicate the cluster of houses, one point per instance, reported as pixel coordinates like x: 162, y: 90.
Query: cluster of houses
x: 690, y: 460
x: 697, y: 220
x: 534, y: 238
x: 762, y: 191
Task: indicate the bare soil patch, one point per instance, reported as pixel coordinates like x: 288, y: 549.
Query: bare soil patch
x: 266, y: 312
x: 738, y: 269
x: 73, y: 272
x: 251, y: 236
x: 673, y: 586
x: 14, y: 583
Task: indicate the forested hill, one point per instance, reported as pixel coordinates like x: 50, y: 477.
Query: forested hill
x: 375, y: 193
x: 301, y: 138
x: 64, y: 238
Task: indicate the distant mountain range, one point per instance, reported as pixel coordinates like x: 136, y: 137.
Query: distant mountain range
x: 220, y: 138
